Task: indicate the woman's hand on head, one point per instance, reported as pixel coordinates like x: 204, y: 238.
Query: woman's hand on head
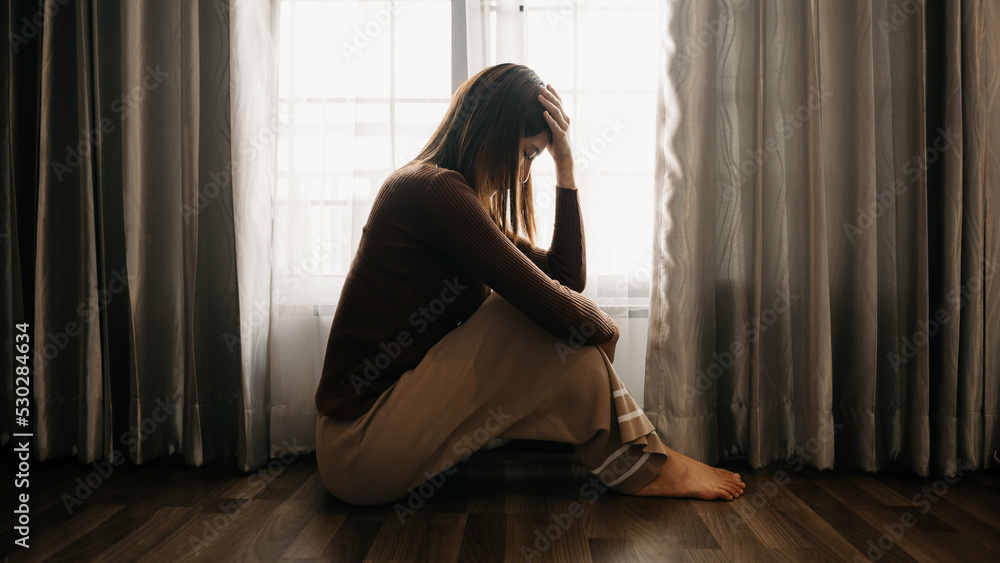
x: 558, y: 147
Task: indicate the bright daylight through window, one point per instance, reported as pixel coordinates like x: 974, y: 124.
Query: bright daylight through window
x: 362, y: 84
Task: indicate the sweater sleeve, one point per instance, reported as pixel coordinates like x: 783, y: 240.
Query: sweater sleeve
x: 565, y: 260
x: 455, y: 221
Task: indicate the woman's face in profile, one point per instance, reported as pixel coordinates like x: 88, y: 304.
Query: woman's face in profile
x: 531, y: 148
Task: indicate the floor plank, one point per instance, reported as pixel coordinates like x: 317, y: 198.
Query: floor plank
x: 484, y: 537
x: 502, y: 505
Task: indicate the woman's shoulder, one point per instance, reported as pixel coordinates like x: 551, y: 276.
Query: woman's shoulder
x: 425, y: 174
x: 419, y: 183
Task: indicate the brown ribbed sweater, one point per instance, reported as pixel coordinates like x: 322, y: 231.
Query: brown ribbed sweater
x: 427, y: 259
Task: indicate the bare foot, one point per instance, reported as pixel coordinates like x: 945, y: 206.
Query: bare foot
x: 682, y: 476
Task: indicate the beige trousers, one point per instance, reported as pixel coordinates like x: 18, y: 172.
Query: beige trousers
x: 497, y: 375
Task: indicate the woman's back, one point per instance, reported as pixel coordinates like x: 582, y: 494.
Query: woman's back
x: 401, y: 296
x: 428, y: 257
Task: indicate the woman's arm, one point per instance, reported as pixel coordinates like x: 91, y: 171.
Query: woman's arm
x: 565, y: 260
x: 454, y: 220
x: 609, y: 346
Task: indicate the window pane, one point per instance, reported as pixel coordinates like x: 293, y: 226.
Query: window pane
x: 423, y: 49
x: 627, y: 62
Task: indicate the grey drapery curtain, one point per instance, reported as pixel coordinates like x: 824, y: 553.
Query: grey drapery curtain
x: 827, y: 282
x: 120, y: 238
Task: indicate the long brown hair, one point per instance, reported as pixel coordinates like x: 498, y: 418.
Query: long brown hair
x: 480, y: 138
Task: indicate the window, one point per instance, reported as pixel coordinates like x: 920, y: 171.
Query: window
x: 365, y: 83
x: 601, y: 56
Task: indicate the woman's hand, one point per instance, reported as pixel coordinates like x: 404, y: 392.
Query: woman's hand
x: 609, y: 346
x: 558, y: 147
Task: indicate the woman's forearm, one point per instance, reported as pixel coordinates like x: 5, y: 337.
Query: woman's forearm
x: 567, y: 256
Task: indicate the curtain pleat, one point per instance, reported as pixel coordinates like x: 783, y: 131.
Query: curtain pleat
x: 824, y: 287
x: 19, y: 182
x: 128, y: 233
x: 985, y: 122
x: 178, y: 230
x: 217, y: 376
x: 255, y: 127
x: 116, y: 314
x: 979, y: 42
x: 68, y: 383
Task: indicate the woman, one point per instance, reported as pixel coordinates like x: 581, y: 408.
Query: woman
x: 424, y: 365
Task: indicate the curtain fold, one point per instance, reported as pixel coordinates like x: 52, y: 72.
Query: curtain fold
x: 135, y: 120
x: 67, y: 253
x: 610, y: 95
x: 825, y: 254
x: 495, y: 33
x: 255, y: 127
x: 18, y: 65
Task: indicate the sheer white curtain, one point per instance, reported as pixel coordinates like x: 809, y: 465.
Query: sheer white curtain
x: 600, y: 57
x: 253, y: 77
x: 364, y: 83
x: 495, y: 33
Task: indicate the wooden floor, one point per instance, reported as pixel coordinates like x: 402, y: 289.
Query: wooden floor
x: 501, y: 505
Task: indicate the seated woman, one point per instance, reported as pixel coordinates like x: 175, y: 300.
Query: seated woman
x: 453, y: 329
